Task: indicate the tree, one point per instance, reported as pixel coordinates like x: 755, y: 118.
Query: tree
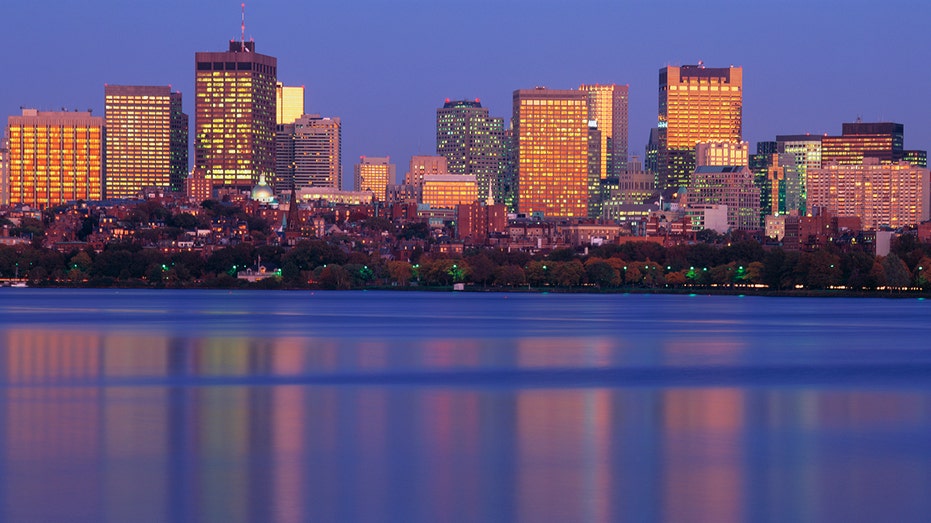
x: 602, y: 274
x: 897, y: 274
x: 401, y: 272
x: 509, y: 276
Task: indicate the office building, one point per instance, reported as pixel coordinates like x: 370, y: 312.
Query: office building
x: 883, y: 141
x: 423, y: 165
x: 308, y: 153
x: 607, y: 105
x: 880, y: 194
x: 551, y: 133
x: 447, y: 191
x: 146, y: 140
x: 234, y: 117
x: 289, y: 103
x: 696, y: 104
x: 472, y: 142
x: 54, y: 157
x: 731, y: 186
x: 4, y: 171
x: 721, y: 153
x: 373, y: 174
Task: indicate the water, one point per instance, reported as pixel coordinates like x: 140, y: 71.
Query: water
x: 138, y: 406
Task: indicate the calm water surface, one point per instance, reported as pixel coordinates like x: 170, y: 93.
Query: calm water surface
x: 138, y: 406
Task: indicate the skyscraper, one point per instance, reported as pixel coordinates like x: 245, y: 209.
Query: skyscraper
x: 374, y: 174
x: 607, y: 105
x: 731, y: 186
x: 234, y: 140
x: 551, y: 131
x: 859, y: 140
x: 472, y: 142
x: 289, y: 104
x: 806, y: 149
x: 146, y: 142
x: 55, y: 157
x: 696, y: 104
x: 308, y: 153
x: 4, y: 171
x: 424, y: 165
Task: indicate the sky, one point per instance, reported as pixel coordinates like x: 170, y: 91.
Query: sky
x: 384, y: 67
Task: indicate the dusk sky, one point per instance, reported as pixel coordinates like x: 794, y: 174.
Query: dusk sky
x: 384, y: 67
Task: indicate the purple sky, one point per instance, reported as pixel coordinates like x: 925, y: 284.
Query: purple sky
x: 384, y: 67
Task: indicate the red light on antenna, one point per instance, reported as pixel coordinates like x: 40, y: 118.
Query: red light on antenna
x: 447, y: 100
x: 477, y: 100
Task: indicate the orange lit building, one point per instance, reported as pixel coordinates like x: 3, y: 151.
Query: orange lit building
x: 551, y: 132
x: 696, y: 104
x: 424, y: 165
x: 607, y: 105
x: 374, y: 174
x: 880, y: 194
x: 289, y: 103
x: 447, y: 191
x: 146, y: 140
x: 55, y: 157
x: 234, y: 115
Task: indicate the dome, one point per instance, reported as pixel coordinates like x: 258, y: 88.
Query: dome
x: 263, y: 193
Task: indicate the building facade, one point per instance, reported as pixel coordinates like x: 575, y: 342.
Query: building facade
x: 421, y: 166
x: 880, y: 194
x: 289, y: 103
x: 235, y: 115
x: 722, y: 153
x: 731, y: 186
x: 858, y: 140
x: 472, y: 142
x: 551, y: 133
x: 696, y: 104
x: 146, y: 140
x: 448, y: 191
x: 54, y: 157
x: 608, y: 106
x: 308, y: 153
x: 374, y: 174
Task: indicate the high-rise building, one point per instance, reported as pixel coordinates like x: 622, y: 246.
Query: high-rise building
x: 595, y: 163
x: 447, y: 191
x: 607, y: 105
x: 696, y: 104
x: 880, y: 194
x: 806, y: 149
x: 4, y: 171
x: 731, y: 186
x: 760, y: 164
x: 289, y: 103
x: 55, y: 157
x: 722, y: 153
x: 146, y: 139
x: 883, y: 141
x: 472, y: 142
x: 424, y: 165
x: 374, y: 174
x: 308, y: 153
x: 551, y: 131
x: 651, y: 152
x: 234, y: 117
x: 916, y: 157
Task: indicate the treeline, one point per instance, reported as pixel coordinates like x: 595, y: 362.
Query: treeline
x: 742, y: 262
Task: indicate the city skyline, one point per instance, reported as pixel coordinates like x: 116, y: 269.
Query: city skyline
x: 806, y: 83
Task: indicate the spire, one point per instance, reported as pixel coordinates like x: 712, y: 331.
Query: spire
x: 491, y: 199
x: 242, y: 41
x: 293, y: 215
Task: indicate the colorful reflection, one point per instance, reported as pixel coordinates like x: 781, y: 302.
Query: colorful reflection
x: 117, y: 426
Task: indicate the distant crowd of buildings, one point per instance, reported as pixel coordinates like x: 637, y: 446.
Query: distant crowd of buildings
x: 563, y: 161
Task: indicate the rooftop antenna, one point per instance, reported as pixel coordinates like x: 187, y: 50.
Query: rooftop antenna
x: 243, y: 37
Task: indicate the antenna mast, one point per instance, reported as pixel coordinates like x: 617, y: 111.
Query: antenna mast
x: 243, y: 37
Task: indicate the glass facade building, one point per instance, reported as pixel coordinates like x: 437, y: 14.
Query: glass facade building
x: 146, y: 140
x: 374, y: 174
x: 696, y: 104
x: 235, y: 115
x: 551, y: 133
x: 308, y: 153
x: 608, y: 106
x: 473, y: 143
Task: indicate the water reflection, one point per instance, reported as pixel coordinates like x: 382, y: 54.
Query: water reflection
x: 102, y: 424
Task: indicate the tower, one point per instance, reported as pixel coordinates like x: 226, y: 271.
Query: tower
x: 551, y: 132
x: 374, y: 174
x: 696, y: 104
x: 289, y: 103
x: 308, y: 153
x: 146, y: 140
x: 472, y: 142
x: 607, y: 105
x: 235, y: 115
